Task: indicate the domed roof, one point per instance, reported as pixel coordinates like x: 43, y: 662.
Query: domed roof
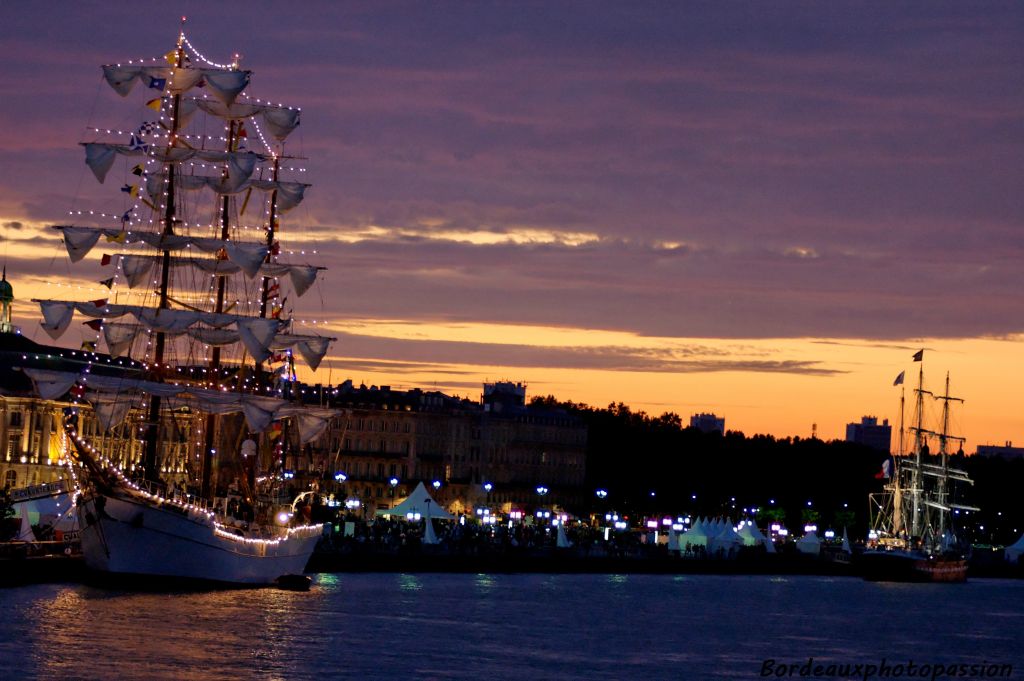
x: 6, y: 291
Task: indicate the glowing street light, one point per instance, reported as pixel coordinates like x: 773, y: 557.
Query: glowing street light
x: 601, y: 493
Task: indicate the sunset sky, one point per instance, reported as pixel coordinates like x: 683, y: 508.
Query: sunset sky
x: 756, y: 209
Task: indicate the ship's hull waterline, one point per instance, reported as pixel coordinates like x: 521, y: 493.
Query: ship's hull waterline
x: 905, y: 566
x: 136, y: 538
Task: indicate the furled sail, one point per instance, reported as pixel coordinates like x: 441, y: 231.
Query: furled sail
x: 258, y: 335
x: 280, y: 120
x: 224, y: 84
x: 100, y: 157
x: 247, y: 256
x: 138, y: 267
x: 258, y: 410
x: 289, y: 194
x: 120, y: 336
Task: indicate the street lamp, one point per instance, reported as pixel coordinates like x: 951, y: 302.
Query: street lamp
x: 601, y: 493
x: 437, y: 485
x: 340, y: 477
x: 394, y: 483
x: 542, y: 490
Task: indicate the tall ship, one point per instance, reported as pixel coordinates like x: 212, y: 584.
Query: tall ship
x: 178, y: 465
x: 914, y: 536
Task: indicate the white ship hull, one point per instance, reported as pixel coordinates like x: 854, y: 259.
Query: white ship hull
x: 127, y: 535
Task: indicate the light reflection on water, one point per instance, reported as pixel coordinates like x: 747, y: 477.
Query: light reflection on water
x: 502, y: 626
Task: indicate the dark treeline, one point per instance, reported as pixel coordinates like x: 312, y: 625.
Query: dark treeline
x: 632, y: 454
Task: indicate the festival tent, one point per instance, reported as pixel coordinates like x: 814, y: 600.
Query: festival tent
x: 563, y: 540
x: 726, y: 540
x: 420, y: 502
x: 846, y: 542
x: 752, y: 536
x: 673, y: 539
x: 25, y: 533
x: 429, y: 537
x: 809, y: 543
x: 1013, y: 552
x: 697, y: 535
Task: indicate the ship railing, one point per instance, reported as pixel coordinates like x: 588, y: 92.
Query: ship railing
x: 176, y: 494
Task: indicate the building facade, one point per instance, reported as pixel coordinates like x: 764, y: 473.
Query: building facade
x: 708, y: 423
x: 870, y: 433
x: 495, y: 452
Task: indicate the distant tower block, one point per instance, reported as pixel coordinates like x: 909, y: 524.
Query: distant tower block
x: 504, y: 396
x: 814, y: 431
x: 870, y: 433
x: 6, y: 305
x: 708, y: 423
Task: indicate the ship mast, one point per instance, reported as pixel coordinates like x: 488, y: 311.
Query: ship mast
x: 920, y: 444
x: 903, y: 401
x: 251, y: 471
x: 211, y: 419
x: 149, y: 461
x: 944, y: 438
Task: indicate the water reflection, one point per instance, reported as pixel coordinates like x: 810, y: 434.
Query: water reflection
x: 408, y: 582
x: 484, y: 626
x: 80, y: 632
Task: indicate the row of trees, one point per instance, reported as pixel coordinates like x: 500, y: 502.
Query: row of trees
x: 655, y: 464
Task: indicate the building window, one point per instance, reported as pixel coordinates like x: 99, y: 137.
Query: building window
x: 11, y: 479
x: 15, y: 419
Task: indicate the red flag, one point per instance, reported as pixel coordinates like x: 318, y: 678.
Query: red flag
x: 105, y: 260
x: 95, y: 324
x: 100, y: 303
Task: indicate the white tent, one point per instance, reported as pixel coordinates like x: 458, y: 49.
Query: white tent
x: 673, y: 539
x: 752, y: 536
x: 563, y: 540
x: 697, y: 535
x: 1013, y: 552
x: 429, y: 537
x: 420, y: 502
x: 726, y: 540
x: 809, y: 543
x: 846, y: 542
x: 26, y: 533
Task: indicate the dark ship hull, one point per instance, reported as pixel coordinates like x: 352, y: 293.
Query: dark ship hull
x: 911, y: 566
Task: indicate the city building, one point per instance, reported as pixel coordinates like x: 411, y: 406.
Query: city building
x: 1006, y: 451
x: 870, y: 434
x: 33, y: 444
x: 708, y: 423
x: 496, y: 452
x: 6, y: 305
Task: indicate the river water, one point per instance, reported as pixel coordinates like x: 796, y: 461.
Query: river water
x: 440, y: 626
